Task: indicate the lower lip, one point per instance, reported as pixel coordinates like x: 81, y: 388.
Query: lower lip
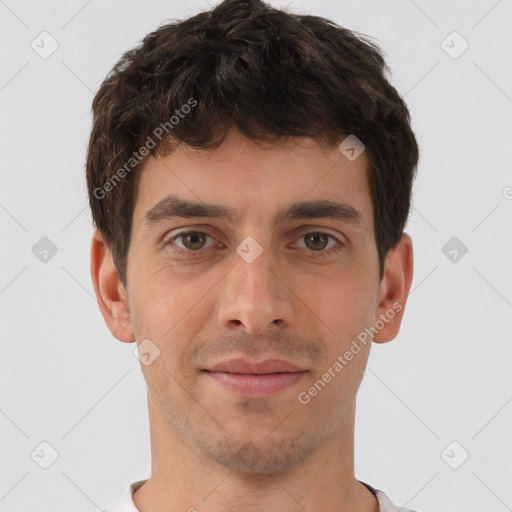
x: 256, y: 386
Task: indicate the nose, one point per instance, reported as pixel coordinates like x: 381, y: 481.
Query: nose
x: 254, y: 297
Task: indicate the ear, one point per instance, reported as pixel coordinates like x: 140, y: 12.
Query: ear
x: 394, y: 290
x: 109, y: 290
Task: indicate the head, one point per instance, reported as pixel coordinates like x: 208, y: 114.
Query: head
x: 228, y: 125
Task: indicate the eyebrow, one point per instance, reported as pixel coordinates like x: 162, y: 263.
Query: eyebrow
x: 173, y: 206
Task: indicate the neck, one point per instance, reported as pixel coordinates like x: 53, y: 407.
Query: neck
x: 184, y: 479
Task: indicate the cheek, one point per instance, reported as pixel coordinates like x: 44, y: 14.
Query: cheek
x: 341, y: 299
x: 169, y: 301
x: 168, y: 311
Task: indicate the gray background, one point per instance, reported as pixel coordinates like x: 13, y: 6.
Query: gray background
x: 66, y: 381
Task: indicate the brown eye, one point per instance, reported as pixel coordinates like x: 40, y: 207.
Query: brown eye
x: 316, y: 241
x: 190, y: 242
x: 320, y: 242
x: 193, y: 240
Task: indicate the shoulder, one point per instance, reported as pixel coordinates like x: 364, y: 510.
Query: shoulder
x: 126, y: 503
x: 385, y: 503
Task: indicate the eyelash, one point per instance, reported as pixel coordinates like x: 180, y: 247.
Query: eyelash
x: 189, y: 253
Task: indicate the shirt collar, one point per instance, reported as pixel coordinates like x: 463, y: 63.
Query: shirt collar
x: 385, y: 504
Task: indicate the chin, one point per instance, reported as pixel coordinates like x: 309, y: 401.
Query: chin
x: 260, y: 456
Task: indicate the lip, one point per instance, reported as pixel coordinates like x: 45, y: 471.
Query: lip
x: 255, y: 380
x: 263, y: 367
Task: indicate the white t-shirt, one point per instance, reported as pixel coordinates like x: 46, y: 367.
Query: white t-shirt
x: 127, y: 505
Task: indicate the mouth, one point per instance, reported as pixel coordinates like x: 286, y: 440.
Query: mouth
x: 255, y: 380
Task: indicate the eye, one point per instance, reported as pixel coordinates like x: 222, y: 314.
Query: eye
x: 189, y: 242
x: 318, y: 241
x: 192, y: 241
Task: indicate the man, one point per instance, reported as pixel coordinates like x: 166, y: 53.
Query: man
x: 250, y: 174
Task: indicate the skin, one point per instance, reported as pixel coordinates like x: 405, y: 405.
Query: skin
x: 211, y: 449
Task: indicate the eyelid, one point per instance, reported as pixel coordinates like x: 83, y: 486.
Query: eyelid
x: 169, y: 235
x: 304, y: 230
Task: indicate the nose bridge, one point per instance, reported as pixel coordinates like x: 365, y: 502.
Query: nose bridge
x: 253, y: 297
x: 254, y: 273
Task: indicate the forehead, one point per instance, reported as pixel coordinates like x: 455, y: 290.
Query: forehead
x: 256, y: 180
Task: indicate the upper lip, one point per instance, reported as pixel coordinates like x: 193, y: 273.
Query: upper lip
x: 263, y: 367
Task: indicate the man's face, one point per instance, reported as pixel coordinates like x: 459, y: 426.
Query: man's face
x: 210, y: 298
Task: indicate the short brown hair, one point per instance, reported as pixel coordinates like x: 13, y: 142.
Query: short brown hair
x: 269, y: 73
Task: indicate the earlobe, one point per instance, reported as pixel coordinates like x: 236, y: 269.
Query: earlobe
x: 110, y: 293
x: 394, y: 290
